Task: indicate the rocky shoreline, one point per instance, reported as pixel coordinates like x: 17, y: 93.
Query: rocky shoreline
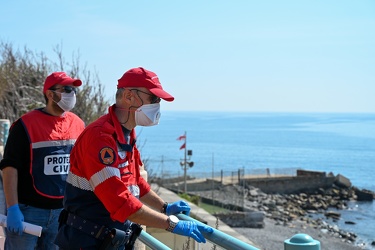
x: 273, y: 234
x: 287, y: 209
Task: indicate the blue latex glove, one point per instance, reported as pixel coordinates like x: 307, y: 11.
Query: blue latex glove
x: 177, y: 207
x: 15, y: 219
x: 192, y: 229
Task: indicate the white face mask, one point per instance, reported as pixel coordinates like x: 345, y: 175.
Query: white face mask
x: 67, y: 101
x: 148, y: 115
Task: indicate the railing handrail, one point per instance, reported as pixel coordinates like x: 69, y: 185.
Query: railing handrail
x: 151, y: 242
x: 219, y: 238
x: 298, y: 241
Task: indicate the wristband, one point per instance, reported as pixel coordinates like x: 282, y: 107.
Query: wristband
x: 164, y: 208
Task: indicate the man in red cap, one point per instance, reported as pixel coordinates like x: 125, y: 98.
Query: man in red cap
x: 105, y: 195
x: 36, y: 164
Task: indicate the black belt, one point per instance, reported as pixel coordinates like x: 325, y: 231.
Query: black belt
x: 112, y: 238
x: 91, y: 228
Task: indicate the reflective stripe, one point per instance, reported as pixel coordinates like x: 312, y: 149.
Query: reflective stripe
x: 78, y: 182
x: 103, y: 175
x: 95, y: 180
x: 44, y: 144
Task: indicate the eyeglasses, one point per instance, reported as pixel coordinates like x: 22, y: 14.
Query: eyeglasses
x: 153, y: 98
x: 67, y: 89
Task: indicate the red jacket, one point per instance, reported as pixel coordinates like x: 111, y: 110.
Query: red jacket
x: 104, y: 180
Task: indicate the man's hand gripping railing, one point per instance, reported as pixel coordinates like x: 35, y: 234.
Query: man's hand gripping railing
x: 219, y: 238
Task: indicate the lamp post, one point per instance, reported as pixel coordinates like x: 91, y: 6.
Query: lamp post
x: 185, y: 167
x: 212, y: 188
x: 186, y: 161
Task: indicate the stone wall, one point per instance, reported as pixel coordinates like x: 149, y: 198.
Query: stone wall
x: 199, y: 185
x: 289, y: 185
x: 301, y: 172
x: 253, y: 219
x: 305, y: 181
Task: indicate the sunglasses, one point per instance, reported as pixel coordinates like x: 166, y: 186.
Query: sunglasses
x: 153, y: 98
x: 67, y: 89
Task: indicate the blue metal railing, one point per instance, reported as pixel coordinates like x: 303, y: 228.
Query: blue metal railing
x: 151, y: 242
x: 297, y: 242
x: 219, y: 238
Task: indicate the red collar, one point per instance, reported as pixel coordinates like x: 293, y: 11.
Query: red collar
x: 118, y: 127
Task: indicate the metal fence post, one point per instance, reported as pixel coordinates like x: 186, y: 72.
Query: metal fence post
x: 4, y: 129
x: 301, y: 242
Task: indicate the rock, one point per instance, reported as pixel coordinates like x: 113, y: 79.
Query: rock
x: 364, y: 195
x: 332, y: 214
x: 342, y: 181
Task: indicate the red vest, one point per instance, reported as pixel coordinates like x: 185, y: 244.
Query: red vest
x: 51, y: 140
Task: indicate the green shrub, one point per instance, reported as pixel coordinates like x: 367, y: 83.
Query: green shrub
x: 192, y: 198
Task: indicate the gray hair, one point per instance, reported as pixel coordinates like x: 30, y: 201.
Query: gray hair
x: 119, y: 93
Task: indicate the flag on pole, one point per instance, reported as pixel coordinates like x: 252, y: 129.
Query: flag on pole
x: 182, y: 137
x: 183, y: 146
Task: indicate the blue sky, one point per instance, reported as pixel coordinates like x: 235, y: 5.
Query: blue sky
x: 273, y: 56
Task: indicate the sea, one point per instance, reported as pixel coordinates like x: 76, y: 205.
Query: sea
x: 230, y: 143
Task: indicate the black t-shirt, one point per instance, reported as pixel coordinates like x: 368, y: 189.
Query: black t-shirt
x: 17, y: 155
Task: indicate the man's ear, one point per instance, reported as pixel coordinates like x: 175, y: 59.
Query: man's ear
x: 49, y: 94
x: 128, y: 96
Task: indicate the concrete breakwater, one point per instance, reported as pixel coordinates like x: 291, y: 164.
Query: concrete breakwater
x: 284, y: 199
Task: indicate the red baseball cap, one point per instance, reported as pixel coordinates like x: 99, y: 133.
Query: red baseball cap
x: 140, y: 77
x: 60, y: 78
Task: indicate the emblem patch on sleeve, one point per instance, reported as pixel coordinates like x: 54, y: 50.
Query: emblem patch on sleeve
x: 107, y: 156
